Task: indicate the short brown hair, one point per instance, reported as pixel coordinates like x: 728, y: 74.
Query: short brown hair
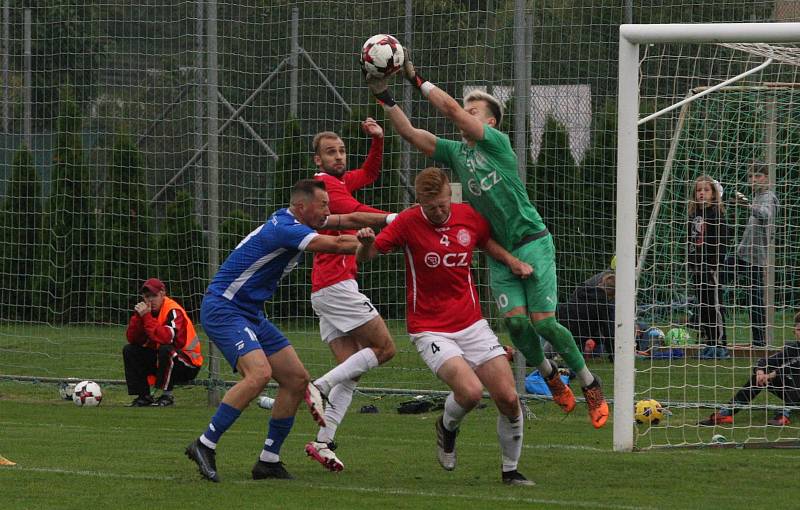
x: 759, y: 168
x: 321, y: 136
x: 304, y: 189
x: 797, y: 318
x: 430, y: 182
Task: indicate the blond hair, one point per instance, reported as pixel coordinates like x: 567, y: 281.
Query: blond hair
x: 495, y: 107
x: 430, y: 182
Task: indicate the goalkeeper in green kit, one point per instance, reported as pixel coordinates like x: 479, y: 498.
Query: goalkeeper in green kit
x: 486, y: 165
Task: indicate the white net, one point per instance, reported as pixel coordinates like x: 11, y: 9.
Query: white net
x: 723, y: 293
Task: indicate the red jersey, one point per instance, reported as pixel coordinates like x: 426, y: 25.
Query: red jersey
x: 440, y: 294
x: 330, y: 268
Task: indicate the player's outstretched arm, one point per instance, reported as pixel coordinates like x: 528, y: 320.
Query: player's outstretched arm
x: 358, y: 220
x: 500, y: 254
x: 366, y: 249
x: 471, y: 126
x: 423, y: 140
x: 345, y: 244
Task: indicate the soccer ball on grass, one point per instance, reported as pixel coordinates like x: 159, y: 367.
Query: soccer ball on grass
x: 382, y: 55
x: 87, y: 394
x: 649, y: 411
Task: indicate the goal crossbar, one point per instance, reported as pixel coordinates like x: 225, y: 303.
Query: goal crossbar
x: 630, y: 37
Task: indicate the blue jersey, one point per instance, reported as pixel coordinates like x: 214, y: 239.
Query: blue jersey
x: 250, y: 274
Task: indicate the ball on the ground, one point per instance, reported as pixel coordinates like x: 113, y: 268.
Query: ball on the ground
x: 648, y: 411
x: 718, y: 438
x: 87, y: 394
x: 382, y: 55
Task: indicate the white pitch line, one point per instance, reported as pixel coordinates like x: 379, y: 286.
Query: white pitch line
x: 365, y: 490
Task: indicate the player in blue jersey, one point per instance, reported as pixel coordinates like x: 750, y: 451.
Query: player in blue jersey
x: 232, y: 315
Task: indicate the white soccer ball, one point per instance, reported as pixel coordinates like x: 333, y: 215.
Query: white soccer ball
x: 87, y: 394
x: 382, y: 55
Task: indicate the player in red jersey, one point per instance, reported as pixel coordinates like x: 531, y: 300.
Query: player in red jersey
x: 348, y: 323
x: 443, y: 314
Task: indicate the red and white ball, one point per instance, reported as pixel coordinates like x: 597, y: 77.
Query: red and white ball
x: 382, y: 55
x: 87, y: 394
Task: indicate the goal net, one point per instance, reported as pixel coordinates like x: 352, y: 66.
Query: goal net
x: 715, y: 282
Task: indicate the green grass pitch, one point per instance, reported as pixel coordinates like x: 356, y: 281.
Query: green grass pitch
x: 117, y: 457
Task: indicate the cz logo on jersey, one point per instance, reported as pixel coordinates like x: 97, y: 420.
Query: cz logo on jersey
x: 485, y: 184
x: 433, y: 259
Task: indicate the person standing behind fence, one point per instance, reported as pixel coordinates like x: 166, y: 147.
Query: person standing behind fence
x: 750, y: 260
x: 707, y: 233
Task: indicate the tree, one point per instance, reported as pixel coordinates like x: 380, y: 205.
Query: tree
x: 233, y: 230
x: 121, y: 253
x: 69, y: 220
x: 65, y: 48
x: 181, y: 254
x: 21, y: 242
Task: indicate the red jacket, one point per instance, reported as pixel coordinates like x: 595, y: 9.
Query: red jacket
x: 171, y: 325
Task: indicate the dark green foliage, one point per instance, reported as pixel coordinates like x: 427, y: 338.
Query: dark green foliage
x: 70, y: 220
x: 122, y: 249
x: 21, y: 243
x: 294, y: 163
x: 66, y: 49
x: 180, y: 257
x: 233, y: 230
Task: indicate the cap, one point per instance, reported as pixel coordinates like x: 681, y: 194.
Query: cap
x: 153, y: 285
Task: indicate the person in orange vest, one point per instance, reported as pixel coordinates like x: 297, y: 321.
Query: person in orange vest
x: 163, y: 348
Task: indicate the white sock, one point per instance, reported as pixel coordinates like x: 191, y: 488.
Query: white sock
x: 340, y: 397
x: 585, y: 377
x: 453, y: 413
x: 351, y: 368
x: 509, y: 435
x: 268, y: 456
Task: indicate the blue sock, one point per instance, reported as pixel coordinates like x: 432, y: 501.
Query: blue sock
x: 278, y: 431
x: 220, y: 422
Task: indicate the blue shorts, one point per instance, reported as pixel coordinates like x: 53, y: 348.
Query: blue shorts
x: 235, y: 333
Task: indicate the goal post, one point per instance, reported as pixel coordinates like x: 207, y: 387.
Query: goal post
x: 631, y: 37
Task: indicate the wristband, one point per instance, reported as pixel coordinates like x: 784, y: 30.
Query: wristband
x: 385, y: 98
x: 391, y: 217
x: 426, y: 88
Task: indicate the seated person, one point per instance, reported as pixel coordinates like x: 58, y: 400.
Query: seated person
x: 779, y: 374
x: 162, y: 345
x: 589, y: 312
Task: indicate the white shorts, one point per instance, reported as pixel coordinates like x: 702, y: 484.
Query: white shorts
x: 477, y: 344
x: 341, y: 308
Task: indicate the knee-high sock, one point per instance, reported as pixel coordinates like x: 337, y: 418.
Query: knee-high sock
x: 563, y: 341
x: 220, y: 422
x: 340, y: 397
x: 278, y: 430
x: 453, y: 413
x: 525, y: 339
x: 351, y: 368
x: 509, y: 434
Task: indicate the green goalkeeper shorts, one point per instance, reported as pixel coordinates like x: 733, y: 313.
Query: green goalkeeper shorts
x: 538, y: 293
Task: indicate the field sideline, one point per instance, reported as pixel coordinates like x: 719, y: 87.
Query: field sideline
x: 118, y: 457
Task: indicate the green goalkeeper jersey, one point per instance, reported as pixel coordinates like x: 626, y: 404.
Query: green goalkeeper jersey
x: 488, y: 173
